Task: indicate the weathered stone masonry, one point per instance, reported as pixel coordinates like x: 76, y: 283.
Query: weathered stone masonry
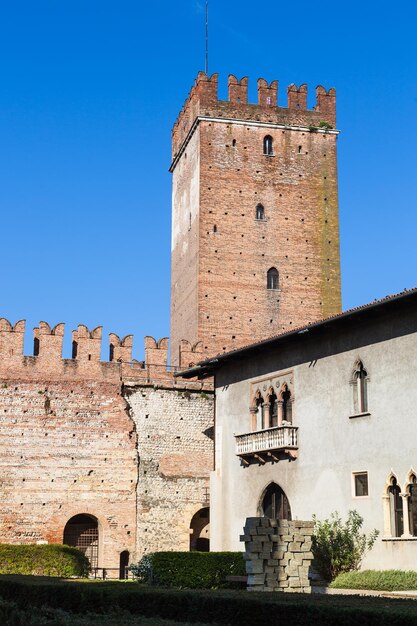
x: 74, y: 433
x: 278, y: 554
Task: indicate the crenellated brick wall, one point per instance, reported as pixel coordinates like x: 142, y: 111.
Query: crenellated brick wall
x: 122, y: 441
x: 221, y: 251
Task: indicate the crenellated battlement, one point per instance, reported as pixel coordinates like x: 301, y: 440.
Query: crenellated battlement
x: 203, y: 101
x: 86, y: 364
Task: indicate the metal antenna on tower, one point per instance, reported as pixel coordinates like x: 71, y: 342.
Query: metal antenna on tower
x: 207, y: 37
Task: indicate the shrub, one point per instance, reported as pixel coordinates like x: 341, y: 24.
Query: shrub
x: 105, y: 599
x: 43, y: 560
x: 190, y: 570
x: 388, y: 580
x: 340, y: 547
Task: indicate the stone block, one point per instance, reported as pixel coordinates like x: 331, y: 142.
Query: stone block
x: 294, y: 582
x: 306, y: 546
x: 287, y: 537
x: 292, y: 570
x: 282, y: 584
x: 294, y: 546
x: 299, y: 537
x: 245, y: 538
x: 255, y: 567
x: 308, y: 555
x: 278, y: 555
x: 273, y: 562
x: 256, y: 579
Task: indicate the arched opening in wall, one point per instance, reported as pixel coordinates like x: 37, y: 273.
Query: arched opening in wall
x: 36, y: 347
x: 123, y: 564
x: 74, y: 349
x: 200, y: 531
x: 81, y: 532
x: 275, y: 504
x: 111, y: 352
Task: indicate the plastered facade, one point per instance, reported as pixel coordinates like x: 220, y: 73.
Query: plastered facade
x: 221, y: 252
x: 334, y: 441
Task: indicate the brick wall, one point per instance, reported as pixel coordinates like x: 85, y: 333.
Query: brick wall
x: 299, y: 236
x: 75, y: 439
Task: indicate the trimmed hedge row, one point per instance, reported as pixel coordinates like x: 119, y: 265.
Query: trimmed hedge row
x: 190, y: 570
x: 219, y: 607
x: 387, y: 580
x: 43, y: 560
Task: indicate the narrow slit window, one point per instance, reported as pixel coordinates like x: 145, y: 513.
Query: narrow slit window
x: 272, y: 278
x: 260, y: 212
x: 268, y: 148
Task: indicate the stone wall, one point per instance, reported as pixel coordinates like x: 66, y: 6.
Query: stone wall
x: 278, y: 554
x: 175, y: 442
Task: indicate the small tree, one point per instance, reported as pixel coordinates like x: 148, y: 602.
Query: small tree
x: 340, y: 547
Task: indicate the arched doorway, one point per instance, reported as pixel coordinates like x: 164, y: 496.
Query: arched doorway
x: 275, y: 503
x: 200, y: 531
x: 81, y: 532
x: 123, y: 563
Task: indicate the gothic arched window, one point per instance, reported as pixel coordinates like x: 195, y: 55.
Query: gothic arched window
x: 286, y: 405
x: 275, y: 503
x: 396, y: 509
x: 412, y: 504
x: 272, y: 278
x: 260, y: 212
x: 360, y: 389
x: 268, y: 145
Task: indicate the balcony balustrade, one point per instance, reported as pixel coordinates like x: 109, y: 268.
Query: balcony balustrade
x: 270, y: 444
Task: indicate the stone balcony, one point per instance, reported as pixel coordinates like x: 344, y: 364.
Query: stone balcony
x: 271, y: 444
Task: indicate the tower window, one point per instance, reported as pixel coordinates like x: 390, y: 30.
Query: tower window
x: 234, y: 143
x: 272, y: 278
x: 260, y: 212
x: 268, y: 145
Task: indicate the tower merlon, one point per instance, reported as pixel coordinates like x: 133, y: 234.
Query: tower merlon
x: 203, y: 102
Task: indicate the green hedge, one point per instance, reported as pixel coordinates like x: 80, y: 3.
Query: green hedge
x: 388, y: 580
x: 190, y: 570
x: 218, y: 607
x: 43, y: 560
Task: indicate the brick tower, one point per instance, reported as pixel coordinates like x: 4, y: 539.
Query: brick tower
x: 255, y: 232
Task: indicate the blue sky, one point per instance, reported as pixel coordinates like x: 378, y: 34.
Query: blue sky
x: 89, y: 91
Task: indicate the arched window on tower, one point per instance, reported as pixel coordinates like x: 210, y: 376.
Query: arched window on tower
x: 268, y: 149
x: 272, y: 278
x: 260, y: 212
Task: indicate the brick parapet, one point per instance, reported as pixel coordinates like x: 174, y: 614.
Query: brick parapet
x: 203, y: 102
x: 47, y: 363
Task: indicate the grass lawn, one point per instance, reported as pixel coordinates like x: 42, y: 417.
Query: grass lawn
x: 25, y: 599
x: 388, y: 580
